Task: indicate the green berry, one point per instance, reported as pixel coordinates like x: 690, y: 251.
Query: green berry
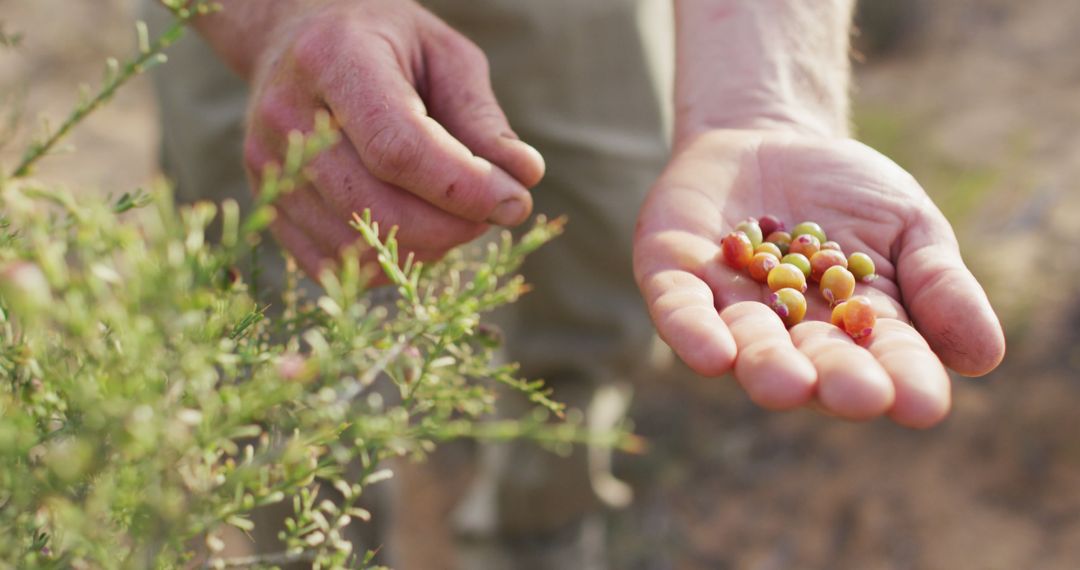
x: 752, y: 230
x: 862, y: 267
x: 798, y: 260
x: 782, y: 240
x: 809, y: 228
x: 832, y: 245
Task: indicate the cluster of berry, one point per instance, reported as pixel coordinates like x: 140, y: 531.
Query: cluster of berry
x: 785, y: 261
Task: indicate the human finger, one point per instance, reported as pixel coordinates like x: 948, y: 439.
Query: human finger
x: 851, y: 382
x: 773, y: 372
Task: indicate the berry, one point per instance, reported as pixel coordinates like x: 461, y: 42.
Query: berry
x: 786, y: 276
x: 752, y: 230
x: 737, y: 250
x: 789, y: 304
x: 823, y: 260
x: 761, y: 265
x: 798, y: 260
x: 832, y: 245
x: 837, y: 317
x: 809, y: 228
x: 805, y: 244
x: 782, y: 240
x: 862, y: 267
x: 770, y: 223
x: 837, y: 284
x: 770, y: 248
x: 859, y: 317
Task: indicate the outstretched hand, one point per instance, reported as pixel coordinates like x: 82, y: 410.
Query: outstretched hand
x: 930, y: 308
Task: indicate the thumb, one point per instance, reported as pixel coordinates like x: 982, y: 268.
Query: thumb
x: 945, y: 301
x: 459, y: 96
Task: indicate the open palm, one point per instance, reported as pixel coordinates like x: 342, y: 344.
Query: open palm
x: 711, y: 315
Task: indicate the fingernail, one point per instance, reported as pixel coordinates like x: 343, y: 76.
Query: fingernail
x: 510, y: 212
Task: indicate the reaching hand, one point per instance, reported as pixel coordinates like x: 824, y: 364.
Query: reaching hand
x: 711, y: 316
x: 425, y: 144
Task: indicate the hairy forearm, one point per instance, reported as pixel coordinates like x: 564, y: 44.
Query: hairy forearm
x: 241, y: 31
x: 762, y: 64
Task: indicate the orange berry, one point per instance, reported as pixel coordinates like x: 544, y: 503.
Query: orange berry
x: 737, y: 250
x: 859, y: 317
x: 805, y: 244
x: 823, y: 260
x: 761, y: 265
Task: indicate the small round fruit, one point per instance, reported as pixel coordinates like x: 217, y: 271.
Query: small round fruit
x: 782, y: 240
x: 770, y: 223
x: 862, y: 267
x: 771, y: 248
x: 787, y: 276
x: 859, y: 317
x: 752, y: 230
x: 809, y: 228
x: 837, y: 284
x: 789, y: 304
x: 805, y: 244
x: 761, y: 265
x: 823, y: 260
x: 837, y: 317
x: 798, y: 260
x: 737, y: 250
x: 832, y: 245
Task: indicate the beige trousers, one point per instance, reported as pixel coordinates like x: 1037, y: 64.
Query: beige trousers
x: 586, y: 82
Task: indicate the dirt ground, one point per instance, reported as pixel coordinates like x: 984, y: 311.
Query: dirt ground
x: 979, y: 99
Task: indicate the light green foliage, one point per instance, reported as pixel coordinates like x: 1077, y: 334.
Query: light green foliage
x: 149, y: 396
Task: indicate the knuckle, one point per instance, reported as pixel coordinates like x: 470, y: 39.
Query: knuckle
x: 314, y: 45
x: 275, y: 113
x: 392, y: 153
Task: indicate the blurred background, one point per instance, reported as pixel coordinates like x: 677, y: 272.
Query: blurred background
x: 980, y: 100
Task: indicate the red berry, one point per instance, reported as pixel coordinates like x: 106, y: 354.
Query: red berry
x: 737, y: 250
x: 761, y: 265
x: 805, y: 244
x: 770, y: 223
x: 823, y: 260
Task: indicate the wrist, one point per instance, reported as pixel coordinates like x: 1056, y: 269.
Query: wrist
x: 691, y: 122
x: 242, y: 34
x: 762, y: 64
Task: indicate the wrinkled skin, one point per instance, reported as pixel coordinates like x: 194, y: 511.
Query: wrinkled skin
x: 929, y: 304
x: 425, y: 144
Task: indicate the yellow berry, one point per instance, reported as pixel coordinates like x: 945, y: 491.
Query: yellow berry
x: 786, y: 275
x: 767, y: 247
x: 837, y: 284
x: 789, y: 304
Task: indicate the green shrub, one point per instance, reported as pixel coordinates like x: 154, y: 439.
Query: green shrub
x: 148, y: 396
